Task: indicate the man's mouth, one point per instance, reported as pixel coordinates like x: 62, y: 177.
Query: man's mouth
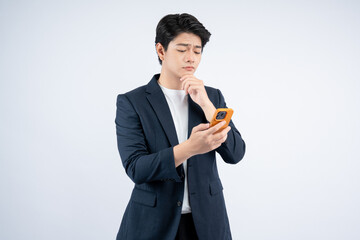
x: 189, y: 68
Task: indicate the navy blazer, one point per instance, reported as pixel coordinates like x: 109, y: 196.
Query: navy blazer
x: 146, y: 136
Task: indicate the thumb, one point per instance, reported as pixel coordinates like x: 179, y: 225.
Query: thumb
x: 201, y: 127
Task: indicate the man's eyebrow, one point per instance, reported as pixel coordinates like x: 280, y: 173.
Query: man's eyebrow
x: 185, y: 45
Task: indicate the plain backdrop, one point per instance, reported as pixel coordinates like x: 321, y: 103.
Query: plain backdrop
x: 289, y: 69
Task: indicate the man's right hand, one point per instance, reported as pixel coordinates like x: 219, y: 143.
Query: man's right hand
x: 204, y: 139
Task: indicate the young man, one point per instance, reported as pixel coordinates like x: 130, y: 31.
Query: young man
x: 167, y: 147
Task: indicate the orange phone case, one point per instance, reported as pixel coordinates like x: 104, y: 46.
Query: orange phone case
x: 219, y: 116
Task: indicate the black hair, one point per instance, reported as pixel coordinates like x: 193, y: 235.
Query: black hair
x: 173, y: 24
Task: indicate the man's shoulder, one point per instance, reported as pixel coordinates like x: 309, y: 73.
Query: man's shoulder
x: 133, y: 96
x: 211, y: 89
x: 141, y: 90
x: 212, y: 92
x: 136, y: 91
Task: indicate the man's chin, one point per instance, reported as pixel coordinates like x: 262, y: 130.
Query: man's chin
x: 186, y: 72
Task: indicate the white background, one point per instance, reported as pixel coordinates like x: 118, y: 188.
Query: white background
x: 290, y: 69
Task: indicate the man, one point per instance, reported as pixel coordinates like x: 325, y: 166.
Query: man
x: 167, y: 147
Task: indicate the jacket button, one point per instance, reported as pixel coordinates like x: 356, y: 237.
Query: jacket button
x: 179, y: 203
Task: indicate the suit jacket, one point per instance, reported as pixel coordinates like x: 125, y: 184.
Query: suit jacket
x: 146, y: 136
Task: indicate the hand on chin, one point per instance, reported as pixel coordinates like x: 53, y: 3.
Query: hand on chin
x: 195, y: 88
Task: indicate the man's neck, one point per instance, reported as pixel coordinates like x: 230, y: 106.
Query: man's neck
x: 169, y: 81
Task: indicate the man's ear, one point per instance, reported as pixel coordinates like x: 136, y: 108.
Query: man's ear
x: 160, y: 51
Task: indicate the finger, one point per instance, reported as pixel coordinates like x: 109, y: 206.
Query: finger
x: 186, y: 76
x: 226, y: 130
x: 184, y: 85
x: 192, y: 79
x: 196, y: 87
x: 223, y: 139
x: 192, y: 85
x: 215, y: 128
x: 222, y: 134
x: 187, y: 82
x: 191, y: 89
x: 201, y: 127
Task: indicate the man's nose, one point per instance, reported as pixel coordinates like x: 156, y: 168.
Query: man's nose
x: 190, y: 56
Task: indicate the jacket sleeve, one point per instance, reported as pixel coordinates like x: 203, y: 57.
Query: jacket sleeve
x: 140, y: 165
x: 233, y: 149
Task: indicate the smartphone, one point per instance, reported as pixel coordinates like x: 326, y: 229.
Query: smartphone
x: 221, y: 114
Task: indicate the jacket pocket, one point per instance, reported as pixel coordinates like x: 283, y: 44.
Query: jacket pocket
x: 143, y: 197
x: 215, y: 187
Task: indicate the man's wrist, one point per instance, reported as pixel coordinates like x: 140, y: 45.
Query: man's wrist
x: 182, y: 152
x: 209, y: 110
x: 188, y: 149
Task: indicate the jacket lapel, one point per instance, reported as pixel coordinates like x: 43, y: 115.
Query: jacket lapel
x: 158, y: 102
x: 196, y: 115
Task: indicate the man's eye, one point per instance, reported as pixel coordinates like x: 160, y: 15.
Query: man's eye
x: 181, y: 50
x: 197, y: 52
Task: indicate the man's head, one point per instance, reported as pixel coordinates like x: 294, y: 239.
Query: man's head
x: 179, y: 41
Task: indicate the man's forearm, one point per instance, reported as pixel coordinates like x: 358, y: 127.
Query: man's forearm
x: 182, y: 152
x: 209, y: 110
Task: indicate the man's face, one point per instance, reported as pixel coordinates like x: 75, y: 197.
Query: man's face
x: 183, y: 55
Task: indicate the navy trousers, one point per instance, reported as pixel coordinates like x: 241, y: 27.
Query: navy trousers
x: 186, y: 230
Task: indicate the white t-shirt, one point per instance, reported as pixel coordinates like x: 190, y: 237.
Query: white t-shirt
x: 179, y: 108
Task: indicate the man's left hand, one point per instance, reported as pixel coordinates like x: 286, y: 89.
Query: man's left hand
x: 196, y: 89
